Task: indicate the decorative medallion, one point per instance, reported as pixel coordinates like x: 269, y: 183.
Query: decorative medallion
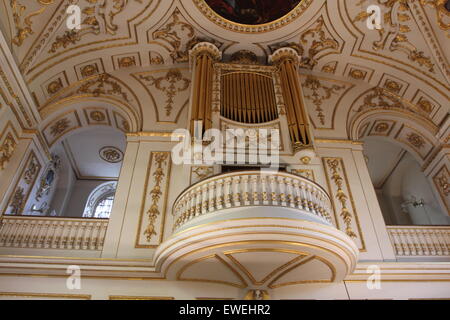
x: 89, y: 70
x: 416, y: 140
x: 111, y: 154
x: 358, y: 74
x: 127, y: 62
x: 97, y: 116
x: 54, y: 86
x: 425, y: 105
x: 381, y: 127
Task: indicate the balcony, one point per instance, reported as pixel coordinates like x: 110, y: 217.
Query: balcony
x: 257, y: 230
x: 427, y: 242
x: 30, y: 232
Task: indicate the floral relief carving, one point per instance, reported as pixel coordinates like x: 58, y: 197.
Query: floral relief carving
x: 17, y: 201
x: 24, y: 23
x: 442, y: 12
x: 60, y: 127
x: 179, y: 36
x: 334, y: 165
x: 383, y: 99
x: 314, y: 41
x: 97, y: 18
x: 442, y: 182
x: 319, y: 94
x: 170, y: 84
x: 156, y: 193
x: 31, y: 172
x: 6, y: 150
x: 394, y: 32
x: 103, y: 84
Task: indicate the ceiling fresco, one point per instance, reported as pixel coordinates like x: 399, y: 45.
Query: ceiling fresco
x: 252, y: 12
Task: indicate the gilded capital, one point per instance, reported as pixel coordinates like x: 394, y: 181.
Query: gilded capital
x: 284, y: 53
x: 205, y: 48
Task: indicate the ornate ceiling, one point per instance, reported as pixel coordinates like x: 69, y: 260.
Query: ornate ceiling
x: 130, y: 60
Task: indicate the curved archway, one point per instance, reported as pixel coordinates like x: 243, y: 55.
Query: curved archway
x: 405, y: 194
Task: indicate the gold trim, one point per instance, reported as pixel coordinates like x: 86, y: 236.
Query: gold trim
x: 229, y: 255
x: 291, y: 16
x: 191, y: 263
x: 144, y: 196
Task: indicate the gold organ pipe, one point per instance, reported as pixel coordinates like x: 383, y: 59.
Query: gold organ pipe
x: 202, y: 91
x: 292, y: 92
x: 248, y: 97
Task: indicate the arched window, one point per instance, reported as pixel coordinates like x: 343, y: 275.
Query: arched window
x: 104, y: 207
x: 100, y: 201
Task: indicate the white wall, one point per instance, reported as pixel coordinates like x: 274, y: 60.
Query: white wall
x: 406, y: 181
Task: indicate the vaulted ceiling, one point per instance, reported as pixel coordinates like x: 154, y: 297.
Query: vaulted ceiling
x: 135, y: 54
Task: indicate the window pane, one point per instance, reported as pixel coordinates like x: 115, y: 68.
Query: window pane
x: 104, y: 207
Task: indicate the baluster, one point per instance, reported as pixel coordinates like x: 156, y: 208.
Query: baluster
x: 227, y: 192
x: 98, y: 230
x: 289, y: 193
x: 212, y: 192
x: 205, y: 198
x: 7, y: 229
x: 21, y: 233
x: 4, y: 226
x: 435, y: 241
x: 219, y: 194
x: 60, y: 233
x: 198, y: 201
x: 422, y: 242
x: 297, y: 194
x: 397, y: 242
x: 304, y: 196
x: 428, y: 243
x: 445, y: 242
x: 236, y: 191
x: 255, y: 193
x: 403, y: 242
x: 419, y: 247
x: 409, y: 234
x: 13, y: 233
x: 264, y: 187
x: 191, y: 213
x: 28, y: 237
x: 246, y: 190
x: 81, y: 233
x: 273, y: 190
x: 66, y: 235
x: 103, y: 234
